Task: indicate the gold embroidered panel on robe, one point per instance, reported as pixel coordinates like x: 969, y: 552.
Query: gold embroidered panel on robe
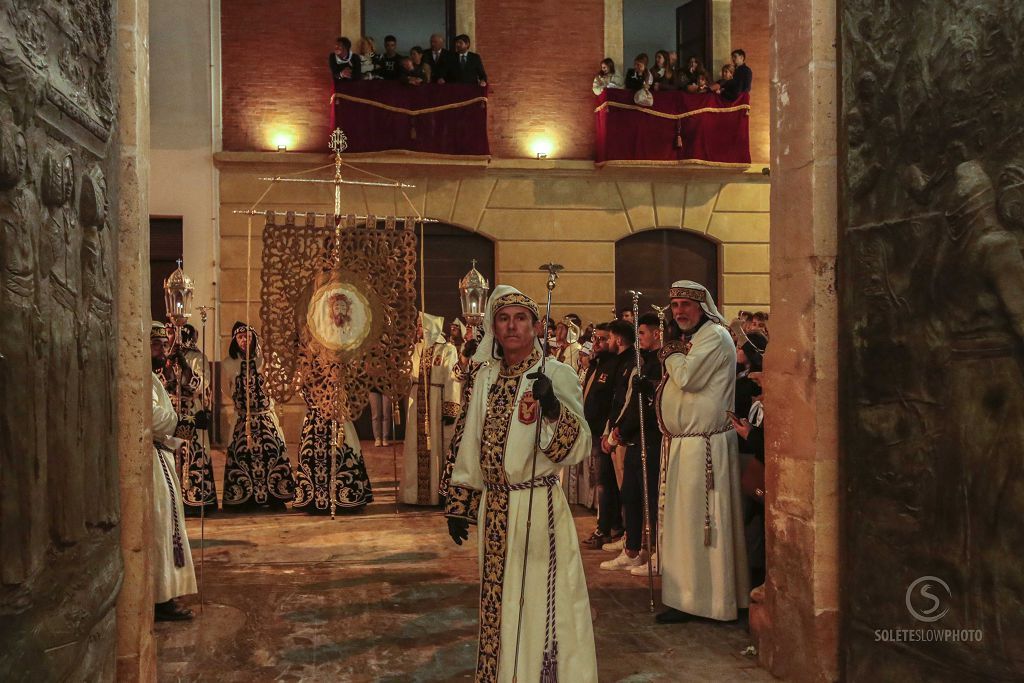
x: 501, y: 406
x: 423, y: 434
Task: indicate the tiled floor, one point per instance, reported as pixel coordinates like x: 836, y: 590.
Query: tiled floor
x: 384, y: 595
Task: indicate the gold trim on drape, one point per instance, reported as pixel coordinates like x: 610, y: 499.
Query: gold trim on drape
x: 402, y: 110
x: 674, y: 117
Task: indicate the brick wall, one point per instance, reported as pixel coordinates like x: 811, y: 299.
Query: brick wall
x: 540, y: 58
x: 750, y: 32
x: 275, y: 74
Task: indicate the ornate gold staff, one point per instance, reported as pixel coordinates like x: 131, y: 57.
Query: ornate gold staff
x: 643, y: 441
x: 552, y: 269
x: 178, y: 290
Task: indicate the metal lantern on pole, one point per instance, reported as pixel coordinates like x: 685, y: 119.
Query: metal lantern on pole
x: 178, y: 290
x: 473, y: 292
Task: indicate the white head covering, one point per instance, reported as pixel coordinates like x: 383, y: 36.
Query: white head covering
x: 694, y: 291
x: 501, y: 296
x: 433, y: 328
x: 462, y: 326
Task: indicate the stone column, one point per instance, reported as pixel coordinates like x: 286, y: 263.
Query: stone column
x: 465, y: 19
x: 352, y: 20
x: 797, y: 623
x: 136, y: 654
x: 613, y: 34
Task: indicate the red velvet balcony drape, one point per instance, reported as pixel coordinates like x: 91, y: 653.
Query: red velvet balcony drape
x: 379, y: 116
x: 714, y: 131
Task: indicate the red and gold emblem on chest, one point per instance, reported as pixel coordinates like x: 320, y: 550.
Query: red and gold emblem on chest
x: 437, y: 360
x: 528, y: 409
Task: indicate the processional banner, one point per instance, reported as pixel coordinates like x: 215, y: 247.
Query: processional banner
x: 339, y: 309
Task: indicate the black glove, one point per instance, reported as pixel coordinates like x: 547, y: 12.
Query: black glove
x: 203, y: 419
x: 458, y: 529
x: 643, y: 385
x: 544, y: 392
x: 470, y: 347
x: 448, y: 421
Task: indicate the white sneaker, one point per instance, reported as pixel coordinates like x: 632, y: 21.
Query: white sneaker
x: 622, y: 562
x: 377, y: 442
x: 385, y: 442
x: 615, y: 546
x: 641, y: 569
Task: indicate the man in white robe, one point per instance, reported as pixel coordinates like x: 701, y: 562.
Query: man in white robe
x: 173, y: 572
x: 498, y: 473
x: 702, y: 549
x: 432, y: 408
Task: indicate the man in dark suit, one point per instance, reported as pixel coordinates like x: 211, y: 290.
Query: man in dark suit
x: 744, y: 77
x: 468, y: 67
x: 438, y: 59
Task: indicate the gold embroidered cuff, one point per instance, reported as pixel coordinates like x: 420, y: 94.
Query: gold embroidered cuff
x: 671, y: 348
x: 450, y: 409
x: 463, y: 503
x: 567, y: 430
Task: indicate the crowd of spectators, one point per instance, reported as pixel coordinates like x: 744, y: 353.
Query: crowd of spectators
x: 437, y: 64
x: 667, y: 75
x: 606, y: 367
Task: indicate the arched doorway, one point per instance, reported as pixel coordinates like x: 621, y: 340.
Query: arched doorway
x: 447, y: 256
x: 651, y: 260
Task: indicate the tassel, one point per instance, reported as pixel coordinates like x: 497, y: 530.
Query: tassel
x: 549, y: 667
x: 412, y: 133
x: 707, y: 535
x: 179, y: 551
x: 679, y: 141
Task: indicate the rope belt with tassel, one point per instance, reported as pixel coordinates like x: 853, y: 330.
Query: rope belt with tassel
x: 549, y: 663
x: 709, y: 472
x: 176, y: 540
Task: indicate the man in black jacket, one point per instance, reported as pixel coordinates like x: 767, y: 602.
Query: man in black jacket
x: 438, y: 59
x: 744, y: 77
x: 467, y: 67
x: 615, y: 371
x: 344, y: 66
x: 625, y: 429
x: 390, y: 61
x: 598, y: 385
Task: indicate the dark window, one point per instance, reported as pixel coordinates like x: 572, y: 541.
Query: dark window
x: 652, y: 25
x: 165, y: 247
x: 693, y: 34
x: 410, y: 22
x: 650, y: 261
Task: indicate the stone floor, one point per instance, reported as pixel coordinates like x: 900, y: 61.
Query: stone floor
x: 384, y: 595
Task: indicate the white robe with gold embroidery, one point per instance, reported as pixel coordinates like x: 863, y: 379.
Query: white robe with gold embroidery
x: 420, y: 480
x: 708, y: 581
x: 497, y: 449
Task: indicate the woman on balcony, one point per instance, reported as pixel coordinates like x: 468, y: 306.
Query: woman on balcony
x: 662, y: 73
x: 369, y: 60
x: 687, y: 76
x: 606, y: 77
x: 639, y: 77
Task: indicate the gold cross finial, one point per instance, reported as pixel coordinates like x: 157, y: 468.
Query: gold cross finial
x: 339, y: 143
